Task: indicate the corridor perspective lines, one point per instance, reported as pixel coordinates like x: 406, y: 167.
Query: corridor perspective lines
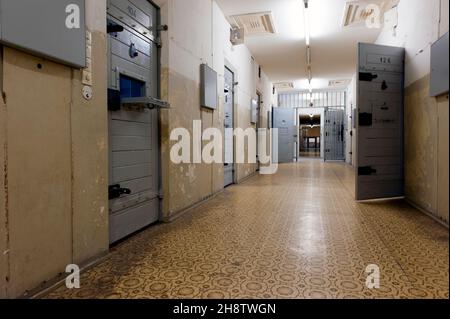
x: 296, y: 234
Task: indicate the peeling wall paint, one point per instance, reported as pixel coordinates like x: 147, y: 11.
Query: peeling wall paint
x: 89, y: 123
x: 420, y: 24
x: 443, y: 158
x: 3, y: 185
x: 199, y: 33
x: 421, y: 150
x: 56, y: 183
x: 39, y: 182
x: 89, y: 127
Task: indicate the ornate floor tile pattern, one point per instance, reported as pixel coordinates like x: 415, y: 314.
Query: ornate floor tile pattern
x: 297, y: 234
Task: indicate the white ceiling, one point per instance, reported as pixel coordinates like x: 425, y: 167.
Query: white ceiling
x: 283, y: 55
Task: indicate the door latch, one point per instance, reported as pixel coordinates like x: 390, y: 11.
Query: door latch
x: 366, y: 171
x: 133, y: 51
x: 367, y: 76
x: 115, y: 191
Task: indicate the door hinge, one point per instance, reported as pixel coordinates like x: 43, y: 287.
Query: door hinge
x: 158, y: 42
x: 162, y: 27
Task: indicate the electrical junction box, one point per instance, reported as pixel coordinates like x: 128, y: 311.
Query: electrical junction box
x: 208, y: 87
x: 439, y: 67
x: 52, y: 29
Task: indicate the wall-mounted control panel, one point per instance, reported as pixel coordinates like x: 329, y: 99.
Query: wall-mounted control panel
x: 208, y: 87
x: 52, y: 29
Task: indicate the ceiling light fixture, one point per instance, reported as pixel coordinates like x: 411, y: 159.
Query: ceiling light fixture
x: 307, y: 23
x: 308, y: 44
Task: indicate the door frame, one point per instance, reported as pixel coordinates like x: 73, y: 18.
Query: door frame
x: 228, y: 65
x: 343, y: 109
x: 158, y: 129
x: 258, y: 125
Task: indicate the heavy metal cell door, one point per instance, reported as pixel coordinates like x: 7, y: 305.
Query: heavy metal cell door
x: 334, y: 134
x: 133, y: 128
x: 284, y: 120
x: 380, y: 172
x: 228, y: 124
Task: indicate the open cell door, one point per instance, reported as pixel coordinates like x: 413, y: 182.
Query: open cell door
x: 380, y: 133
x: 284, y: 121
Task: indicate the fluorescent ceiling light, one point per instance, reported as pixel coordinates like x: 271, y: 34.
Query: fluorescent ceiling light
x: 307, y: 27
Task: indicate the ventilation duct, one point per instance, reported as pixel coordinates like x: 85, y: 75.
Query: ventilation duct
x: 284, y: 85
x: 261, y: 23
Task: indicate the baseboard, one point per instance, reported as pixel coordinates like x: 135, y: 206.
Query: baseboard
x: 184, y: 211
x: 60, y: 280
x: 424, y: 211
x: 246, y: 178
x: 57, y: 282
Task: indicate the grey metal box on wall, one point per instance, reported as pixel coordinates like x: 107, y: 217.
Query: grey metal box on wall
x: 254, y: 111
x: 53, y: 29
x: 439, y: 67
x: 208, y: 87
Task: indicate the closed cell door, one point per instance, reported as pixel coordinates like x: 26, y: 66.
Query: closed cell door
x: 133, y: 129
x: 228, y: 125
x: 284, y: 119
x: 334, y: 134
x: 258, y: 126
x: 380, y: 122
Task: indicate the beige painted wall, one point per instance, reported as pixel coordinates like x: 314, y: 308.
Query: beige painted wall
x: 443, y: 160
x: 421, y: 23
x: 55, y: 177
x: 3, y: 198
x: 89, y: 127
x: 39, y: 175
x: 206, y: 40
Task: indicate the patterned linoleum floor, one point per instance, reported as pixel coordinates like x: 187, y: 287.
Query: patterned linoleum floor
x: 297, y: 234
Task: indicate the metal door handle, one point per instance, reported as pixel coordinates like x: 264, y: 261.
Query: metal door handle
x: 115, y: 191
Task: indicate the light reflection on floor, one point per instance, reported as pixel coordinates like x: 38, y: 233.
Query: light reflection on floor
x: 298, y: 234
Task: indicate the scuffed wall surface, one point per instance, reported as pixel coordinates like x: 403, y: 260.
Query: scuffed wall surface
x: 89, y: 124
x: 184, y: 49
x: 56, y: 186
x: 189, y: 183
x: 421, y: 147
x: 418, y: 27
x: 39, y: 169
x: 426, y: 149
x: 199, y: 33
x: 443, y: 160
x: 420, y: 24
x: 3, y: 218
